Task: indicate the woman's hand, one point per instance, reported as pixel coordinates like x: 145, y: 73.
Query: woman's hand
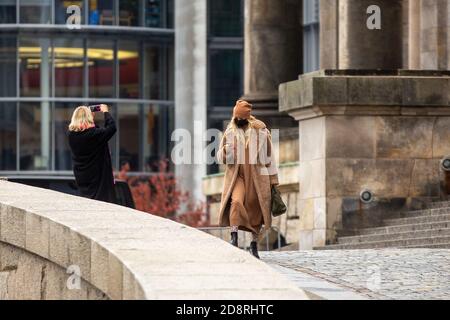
x: 104, y: 108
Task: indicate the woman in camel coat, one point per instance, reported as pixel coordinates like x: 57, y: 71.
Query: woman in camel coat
x: 246, y: 149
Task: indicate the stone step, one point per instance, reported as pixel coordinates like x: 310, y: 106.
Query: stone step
x: 417, y: 220
x: 404, y: 228
x: 425, y: 213
x: 445, y: 245
x: 396, y: 236
x: 413, y: 242
x: 439, y: 204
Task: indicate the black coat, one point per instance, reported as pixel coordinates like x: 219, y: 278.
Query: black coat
x: 92, y: 161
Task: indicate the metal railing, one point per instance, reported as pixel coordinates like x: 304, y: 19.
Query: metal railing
x: 224, y: 230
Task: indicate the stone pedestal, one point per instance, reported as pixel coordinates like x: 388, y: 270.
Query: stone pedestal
x: 273, y: 54
x: 385, y: 132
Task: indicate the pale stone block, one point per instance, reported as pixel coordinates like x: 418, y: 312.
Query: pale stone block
x: 320, y: 213
x: 307, y: 214
x: 292, y: 95
x: 129, y: 285
x: 312, y: 139
x: 24, y: 283
x: 334, y: 213
x: 441, y: 137
x: 99, y: 267
x: 95, y: 294
x: 425, y: 91
x: 330, y: 91
x: 80, y: 253
x: 37, y: 235
x: 12, y: 226
x: 319, y: 237
x: 372, y: 91
x: 56, y: 280
x: 306, y: 240
x: 312, y: 179
x: 385, y: 178
x: 404, y: 137
x: 59, y: 244
x: 115, y: 278
x: 350, y: 137
x: 425, y: 181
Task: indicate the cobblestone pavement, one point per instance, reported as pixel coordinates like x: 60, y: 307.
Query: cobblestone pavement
x: 399, y: 274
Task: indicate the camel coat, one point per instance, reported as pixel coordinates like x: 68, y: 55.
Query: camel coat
x: 250, y: 171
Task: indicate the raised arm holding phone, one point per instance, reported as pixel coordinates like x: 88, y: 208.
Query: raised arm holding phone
x: 92, y: 164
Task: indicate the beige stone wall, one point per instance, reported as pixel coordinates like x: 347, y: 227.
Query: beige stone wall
x: 26, y: 276
x: 359, y: 130
x: 121, y: 254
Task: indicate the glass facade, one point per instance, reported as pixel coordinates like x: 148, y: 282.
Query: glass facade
x: 8, y: 11
x: 225, y: 59
x: 226, y: 18
x: 45, y: 75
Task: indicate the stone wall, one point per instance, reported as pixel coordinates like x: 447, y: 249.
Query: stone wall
x: 120, y: 253
x: 385, y: 131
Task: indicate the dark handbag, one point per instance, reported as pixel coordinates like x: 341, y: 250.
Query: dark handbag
x: 278, y: 206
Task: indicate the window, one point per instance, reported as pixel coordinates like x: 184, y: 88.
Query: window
x: 35, y: 121
x: 129, y: 139
x: 35, y: 67
x: 35, y: 11
x: 157, y: 126
x: 153, y: 81
x: 225, y: 77
x: 101, y: 12
x: 61, y: 6
x: 144, y: 135
x: 8, y: 71
x: 128, y: 57
x: 101, y: 68
x: 8, y: 136
x: 153, y: 13
x: 225, y: 18
x: 69, y: 67
x: 129, y: 13
x: 8, y: 11
x: 62, y: 117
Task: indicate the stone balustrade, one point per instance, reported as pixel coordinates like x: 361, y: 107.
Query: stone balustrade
x: 57, y: 246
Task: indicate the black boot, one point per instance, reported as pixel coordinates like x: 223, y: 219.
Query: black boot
x: 254, y: 249
x: 234, y: 239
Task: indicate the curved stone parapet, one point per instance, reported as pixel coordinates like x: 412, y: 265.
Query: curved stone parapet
x: 48, y: 238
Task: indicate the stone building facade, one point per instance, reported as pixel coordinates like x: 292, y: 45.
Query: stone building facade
x: 380, y: 123
x: 375, y: 118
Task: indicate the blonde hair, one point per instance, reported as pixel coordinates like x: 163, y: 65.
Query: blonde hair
x: 82, y: 119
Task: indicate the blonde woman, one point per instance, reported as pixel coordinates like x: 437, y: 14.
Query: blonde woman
x: 90, y: 153
x: 246, y: 149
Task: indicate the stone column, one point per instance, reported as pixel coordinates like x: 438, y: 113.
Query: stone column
x: 414, y: 34
x: 363, y: 48
x: 190, y: 94
x: 273, y: 51
x: 329, y: 34
x: 435, y: 34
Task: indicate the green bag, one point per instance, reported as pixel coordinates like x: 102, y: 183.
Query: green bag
x: 278, y: 206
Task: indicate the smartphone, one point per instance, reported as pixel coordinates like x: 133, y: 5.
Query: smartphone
x: 95, y: 108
